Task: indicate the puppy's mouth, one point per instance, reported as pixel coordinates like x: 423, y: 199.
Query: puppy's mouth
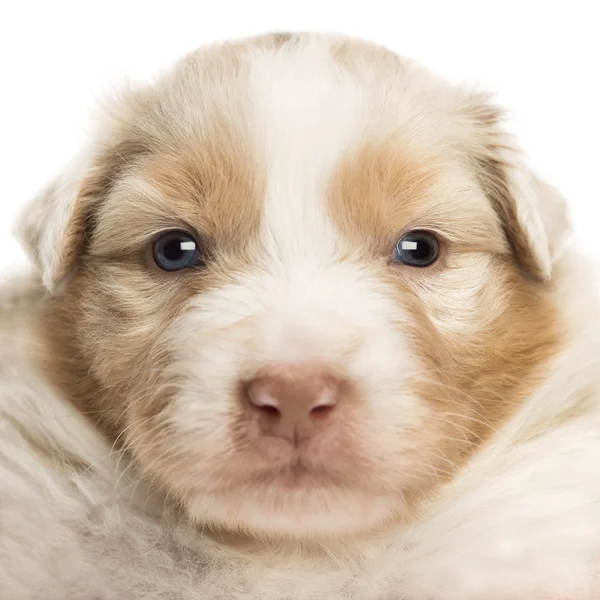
x: 275, y: 464
x: 293, y: 474
x: 297, y: 474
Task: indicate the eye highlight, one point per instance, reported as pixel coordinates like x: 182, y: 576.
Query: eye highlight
x: 417, y: 249
x: 175, y: 250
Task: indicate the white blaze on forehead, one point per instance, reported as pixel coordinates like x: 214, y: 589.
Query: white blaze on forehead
x: 307, y: 114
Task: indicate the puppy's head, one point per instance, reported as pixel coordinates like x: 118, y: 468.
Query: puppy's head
x: 302, y: 280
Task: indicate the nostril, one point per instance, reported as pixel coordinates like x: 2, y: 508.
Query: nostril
x: 326, y: 402
x: 261, y: 401
x: 321, y: 410
x: 268, y: 410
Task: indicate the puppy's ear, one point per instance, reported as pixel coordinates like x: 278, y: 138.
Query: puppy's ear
x: 533, y: 214
x: 52, y: 226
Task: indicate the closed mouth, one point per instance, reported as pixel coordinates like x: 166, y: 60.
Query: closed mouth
x: 297, y: 475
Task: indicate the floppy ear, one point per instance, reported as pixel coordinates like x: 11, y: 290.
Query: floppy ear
x: 533, y: 214
x: 52, y: 226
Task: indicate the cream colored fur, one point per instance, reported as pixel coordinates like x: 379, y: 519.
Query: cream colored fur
x: 520, y: 520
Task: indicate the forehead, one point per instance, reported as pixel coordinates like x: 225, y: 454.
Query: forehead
x: 295, y: 140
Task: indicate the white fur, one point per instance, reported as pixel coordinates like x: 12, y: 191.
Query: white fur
x: 305, y: 117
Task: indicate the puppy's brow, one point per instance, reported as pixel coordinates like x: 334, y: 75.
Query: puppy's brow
x: 382, y: 189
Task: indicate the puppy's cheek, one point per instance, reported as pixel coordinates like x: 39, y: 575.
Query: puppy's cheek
x: 180, y: 431
x: 485, y: 334
x: 464, y: 298
x: 124, y: 314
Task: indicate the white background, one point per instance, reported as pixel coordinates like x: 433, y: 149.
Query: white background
x: 542, y: 58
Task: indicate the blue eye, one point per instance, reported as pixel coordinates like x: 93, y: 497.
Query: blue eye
x: 417, y: 249
x: 175, y: 250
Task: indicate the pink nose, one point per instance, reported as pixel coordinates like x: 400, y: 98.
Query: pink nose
x: 293, y: 403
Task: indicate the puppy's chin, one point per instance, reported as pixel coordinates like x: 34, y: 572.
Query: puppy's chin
x: 307, y: 514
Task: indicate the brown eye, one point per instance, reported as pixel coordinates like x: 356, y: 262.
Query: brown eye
x: 175, y: 250
x: 417, y: 249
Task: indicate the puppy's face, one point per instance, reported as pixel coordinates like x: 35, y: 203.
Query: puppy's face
x: 307, y: 281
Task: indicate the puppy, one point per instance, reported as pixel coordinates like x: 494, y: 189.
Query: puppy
x: 304, y: 326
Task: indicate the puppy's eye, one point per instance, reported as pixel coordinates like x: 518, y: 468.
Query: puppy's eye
x: 417, y: 249
x: 175, y: 250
